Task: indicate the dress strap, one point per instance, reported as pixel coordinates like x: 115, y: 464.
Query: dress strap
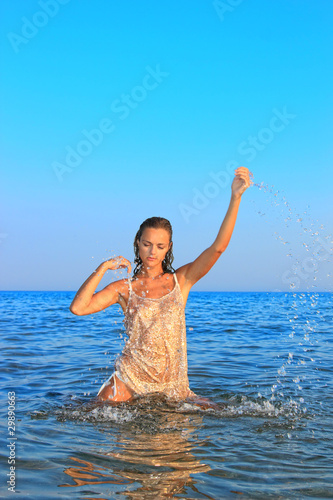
x: 130, y: 285
x: 176, y: 280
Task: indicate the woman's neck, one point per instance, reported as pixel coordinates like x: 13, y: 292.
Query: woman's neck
x: 151, y: 273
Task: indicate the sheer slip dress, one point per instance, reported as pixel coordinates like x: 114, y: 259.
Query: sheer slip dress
x: 154, y: 358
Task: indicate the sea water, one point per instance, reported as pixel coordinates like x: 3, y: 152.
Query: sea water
x: 265, y: 358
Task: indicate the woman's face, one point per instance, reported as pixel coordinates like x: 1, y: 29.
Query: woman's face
x: 153, y: 246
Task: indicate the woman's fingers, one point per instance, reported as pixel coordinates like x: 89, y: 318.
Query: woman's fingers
x: 119, y: 263
x: 126, y: 263
x: 243, y: 170
x: 244, y: 174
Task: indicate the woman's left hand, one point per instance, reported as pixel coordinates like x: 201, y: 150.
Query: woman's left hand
x: 241, y: 181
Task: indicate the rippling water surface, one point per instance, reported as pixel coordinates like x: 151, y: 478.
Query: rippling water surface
x: 265, y: 358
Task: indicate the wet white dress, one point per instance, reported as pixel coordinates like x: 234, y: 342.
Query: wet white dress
x: 154, y: 358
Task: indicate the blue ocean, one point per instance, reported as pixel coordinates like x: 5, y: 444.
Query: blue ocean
x: 265, y: 358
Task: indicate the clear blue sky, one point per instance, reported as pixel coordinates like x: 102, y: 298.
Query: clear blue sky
x: 173, y: 92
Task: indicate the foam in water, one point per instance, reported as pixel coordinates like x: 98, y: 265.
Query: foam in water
x: 147, y: 412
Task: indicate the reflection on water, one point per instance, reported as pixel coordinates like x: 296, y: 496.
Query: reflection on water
x: 152, y: 458
x: 88, y: 473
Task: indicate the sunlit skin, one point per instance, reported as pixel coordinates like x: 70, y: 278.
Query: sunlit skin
x: 151, y: 281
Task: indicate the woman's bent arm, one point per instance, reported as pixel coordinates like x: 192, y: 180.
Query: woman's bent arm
x: 195, y: 270
x: 86, y: 301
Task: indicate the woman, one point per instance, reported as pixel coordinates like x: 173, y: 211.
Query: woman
x: 154, y: 358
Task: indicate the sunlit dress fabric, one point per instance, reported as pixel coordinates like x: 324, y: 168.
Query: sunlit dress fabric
x: 154, y: 358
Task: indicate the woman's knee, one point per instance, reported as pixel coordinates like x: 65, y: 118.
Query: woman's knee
x: 107, y: 390
x: 115, y: 390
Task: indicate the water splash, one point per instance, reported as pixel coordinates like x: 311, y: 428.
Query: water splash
x: 147, y: 412
x: 302, y: 315
x: 318, y: 246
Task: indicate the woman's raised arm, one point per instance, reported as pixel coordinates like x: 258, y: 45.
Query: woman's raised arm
x: 194, y: 271
x: 86, y: 301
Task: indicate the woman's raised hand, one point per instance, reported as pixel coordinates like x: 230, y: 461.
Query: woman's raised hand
x: 241, y: 181
x: 117, y: 263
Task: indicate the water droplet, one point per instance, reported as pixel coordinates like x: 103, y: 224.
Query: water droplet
x: 282, y: 371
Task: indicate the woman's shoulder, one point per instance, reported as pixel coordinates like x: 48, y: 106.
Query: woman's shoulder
x: 121, y: 286
x: 125, y: 282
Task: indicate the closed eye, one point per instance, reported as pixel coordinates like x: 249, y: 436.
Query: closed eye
x: 147, y: 244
